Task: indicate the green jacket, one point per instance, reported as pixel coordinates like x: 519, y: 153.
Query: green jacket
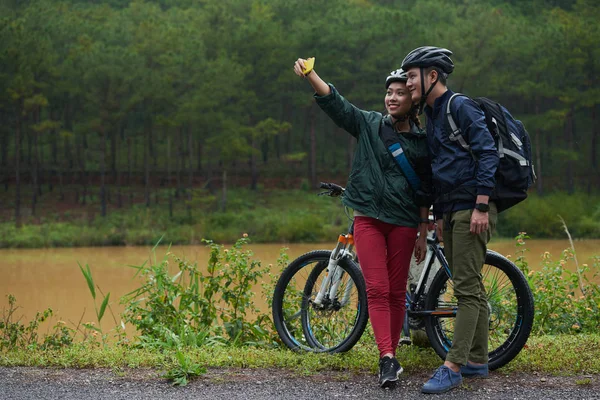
x: 377, y: 187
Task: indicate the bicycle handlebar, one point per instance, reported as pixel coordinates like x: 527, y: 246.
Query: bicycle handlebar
x: 333, y: 189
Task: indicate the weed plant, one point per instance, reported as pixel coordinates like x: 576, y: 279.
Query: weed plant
x: 565, y: 301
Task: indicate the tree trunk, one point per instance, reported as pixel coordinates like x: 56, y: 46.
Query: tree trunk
x: 113, y: 155
x: 102, y: 173
x: 68, y: 162
x: 34, y: 159
x: 594, y: 142
x: 147, y: 167
x: 4, y: 152
x: 136, y: 153
x: 81, y: 161
x: 224, y: 193
x: 190, y: 162
x: 253, y: 164
x: 190, y: 172
x: 199, y: 155
x: 29, y: 148
x: 538, y: 156
x: 18, y: 164
x: 129, y: 160
x: 151, y: 148
x: 67, y: 142
x: 179, y: 161
x: 119, y: 190
x: 168, y: 161
x: 54, y: 148
x: 265, y: 150
x: 312, y: 159
x: 61, y: 192
x: 569, y: 133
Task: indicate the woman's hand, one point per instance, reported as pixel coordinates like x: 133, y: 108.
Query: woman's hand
x: 421, y: 248
x: 318, y: 84
x: 299, y: 67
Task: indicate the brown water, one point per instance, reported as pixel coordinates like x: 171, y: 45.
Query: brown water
x: 43, y: 278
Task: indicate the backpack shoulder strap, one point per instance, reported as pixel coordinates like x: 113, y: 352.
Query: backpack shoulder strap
x: 455, y: 131
x: 390, y: 140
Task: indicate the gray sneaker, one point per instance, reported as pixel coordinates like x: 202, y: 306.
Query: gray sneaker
x: 389, y: 371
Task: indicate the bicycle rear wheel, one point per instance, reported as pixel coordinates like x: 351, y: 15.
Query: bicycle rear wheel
x: 510, y: 305
x: 331, y: 327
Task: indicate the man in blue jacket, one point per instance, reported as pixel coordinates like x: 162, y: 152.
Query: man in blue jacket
x: 463, y: 182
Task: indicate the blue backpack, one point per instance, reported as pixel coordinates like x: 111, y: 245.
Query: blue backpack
x: 515, y: 173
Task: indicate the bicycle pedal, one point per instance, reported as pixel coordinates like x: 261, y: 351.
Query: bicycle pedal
x: 405, y: 341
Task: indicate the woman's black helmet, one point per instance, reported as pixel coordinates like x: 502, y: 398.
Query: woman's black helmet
x: 396, y: 76
x: 429, y: 56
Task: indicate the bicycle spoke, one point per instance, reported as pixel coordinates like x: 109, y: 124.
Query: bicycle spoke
x: 293, y: 299
x: 332, y: 322
x: 502, y: 303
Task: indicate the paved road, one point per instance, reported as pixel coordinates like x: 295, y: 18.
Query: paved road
x: 250, y: 384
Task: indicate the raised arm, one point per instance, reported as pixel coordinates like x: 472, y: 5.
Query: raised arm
x: 318, y: 84
x: 343, y: 113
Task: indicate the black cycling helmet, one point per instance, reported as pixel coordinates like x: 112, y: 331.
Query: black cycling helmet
x: 426, y: 57
x: 429, y: 56
x: 396, y: 76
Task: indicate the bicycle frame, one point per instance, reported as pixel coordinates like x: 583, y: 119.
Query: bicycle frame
x: 434, y: 252
x: 345, y: 248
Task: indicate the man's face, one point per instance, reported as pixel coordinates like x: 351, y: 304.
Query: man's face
x: 413, y: 84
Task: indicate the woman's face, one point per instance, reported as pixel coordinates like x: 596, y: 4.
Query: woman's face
x: 397, y: 100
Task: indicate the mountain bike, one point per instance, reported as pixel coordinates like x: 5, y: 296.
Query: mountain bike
x: 320, y: 300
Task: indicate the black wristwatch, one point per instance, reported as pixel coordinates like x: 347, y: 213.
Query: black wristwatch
x: 482, y: 207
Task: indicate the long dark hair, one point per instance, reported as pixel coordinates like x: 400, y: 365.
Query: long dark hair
x: 413, y: 115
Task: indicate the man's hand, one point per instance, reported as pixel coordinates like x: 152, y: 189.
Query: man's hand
x: 439, y: 229
x: 421, y: 248
x: 479, y: 222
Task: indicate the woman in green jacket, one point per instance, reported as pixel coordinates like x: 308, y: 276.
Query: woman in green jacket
x: 388, y: 211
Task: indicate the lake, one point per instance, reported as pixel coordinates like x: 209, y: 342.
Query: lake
x: 42, y: 278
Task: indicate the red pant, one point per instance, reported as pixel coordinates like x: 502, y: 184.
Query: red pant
x: 384, y: 252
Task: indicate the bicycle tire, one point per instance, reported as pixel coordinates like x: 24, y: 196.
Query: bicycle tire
x: 344, y: 329
x: 289, y: 296
x: 510, y: 304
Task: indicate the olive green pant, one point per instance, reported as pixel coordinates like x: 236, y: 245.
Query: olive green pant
x: 465, y: 252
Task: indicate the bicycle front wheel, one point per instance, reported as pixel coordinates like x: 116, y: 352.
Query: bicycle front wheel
x: 333, y: 326
x: 337, y: 323
x: 510, y: 307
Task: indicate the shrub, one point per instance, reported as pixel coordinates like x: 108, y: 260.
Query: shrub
x: 182, y: 310
x: 565, y: 301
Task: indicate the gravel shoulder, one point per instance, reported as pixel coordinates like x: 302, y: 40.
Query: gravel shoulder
x: 20, y: 383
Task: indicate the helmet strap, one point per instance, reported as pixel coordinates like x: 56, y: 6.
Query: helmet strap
x: 424, y: 96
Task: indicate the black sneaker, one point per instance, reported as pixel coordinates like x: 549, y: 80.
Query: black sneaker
x: 389, y: 371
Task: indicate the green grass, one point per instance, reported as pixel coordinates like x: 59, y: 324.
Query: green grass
x: 557, y: 355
